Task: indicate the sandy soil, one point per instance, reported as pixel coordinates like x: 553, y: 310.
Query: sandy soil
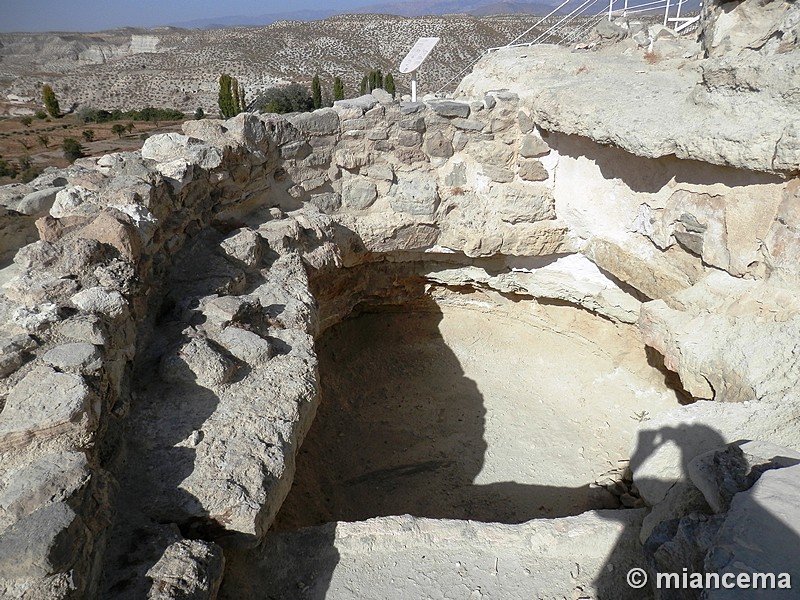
x: 463, y: 413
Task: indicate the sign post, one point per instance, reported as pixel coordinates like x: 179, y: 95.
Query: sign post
x: 414, y: 59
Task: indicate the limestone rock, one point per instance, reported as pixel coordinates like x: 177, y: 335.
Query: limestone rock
x: 721, y: 474
x: 363, y: 103
x: 245, y: 246
x: 38, y: 203
x: 533, y: 170
x: 166, y: 148
x: 760, y: 530
x: 101, y: 301
x: 533, y: 147
x: 359, y: 192
x: 324, y: 121
x: 196, y: 362
x: 54, y: 477
x: 412, y: 124
x: 46, y: 404
x: 74, y: 356
x: 449, y: 108
x: 245, y: 345
x: 517, y: 203
x: 327, y: 202
x: 115, y: 230
x: 43, y: 543
x: 548, y: 558
x: 74, y: 202
x: 382, y: 96
x: 188, y: 569
x: 414, y: 194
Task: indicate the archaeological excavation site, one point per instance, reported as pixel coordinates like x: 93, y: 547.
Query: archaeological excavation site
x: 517, y: 343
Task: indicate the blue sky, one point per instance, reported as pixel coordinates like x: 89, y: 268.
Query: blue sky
x: 95, y: 15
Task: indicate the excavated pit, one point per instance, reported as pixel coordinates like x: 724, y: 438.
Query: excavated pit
x: 470, y: 405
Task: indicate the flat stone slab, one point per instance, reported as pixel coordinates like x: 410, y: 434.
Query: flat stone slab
x: 406, y: 557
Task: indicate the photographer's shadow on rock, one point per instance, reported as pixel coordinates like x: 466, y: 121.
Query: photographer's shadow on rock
x: 721, y: 510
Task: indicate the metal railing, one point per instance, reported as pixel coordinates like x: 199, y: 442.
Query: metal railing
x: 582, y: 18
x: 571, y: 27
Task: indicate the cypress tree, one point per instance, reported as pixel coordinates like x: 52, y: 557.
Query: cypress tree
x: 226, y: 106
x: 338, y: 89
x: 378, y: 79
x: 235, y: 96
x: 362, y: 89
x: 389, y: 84
x: 316, y: 92
x: 50, y: 101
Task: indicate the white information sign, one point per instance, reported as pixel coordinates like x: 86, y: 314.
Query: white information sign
x: 417, y: 54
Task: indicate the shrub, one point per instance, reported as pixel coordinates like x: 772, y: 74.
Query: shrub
x: 30, y: 174
x: 26, y: 121
x: 285, y: 99
x: 72, y: 149
x: 7, y: 170
x: 88, y: 135
x: 40, y: 114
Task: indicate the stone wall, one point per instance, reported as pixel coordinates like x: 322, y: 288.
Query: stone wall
x: 169, y: 308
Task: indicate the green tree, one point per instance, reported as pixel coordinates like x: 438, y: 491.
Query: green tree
x: 72, y: 149
x: 316, y: 92
x: 199, y: 113
x: 44, y: 139
x: 118, y: 129
x: 389, y: 84
x: 338, y: 89
x: 50, y: 101
x: 226, y: 106
x: 362, y: 88
x: 88, y: 135
x: 26, y: 121
x: 235, y: 96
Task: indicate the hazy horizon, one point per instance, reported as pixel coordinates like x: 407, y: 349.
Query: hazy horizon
x: 97, y: 15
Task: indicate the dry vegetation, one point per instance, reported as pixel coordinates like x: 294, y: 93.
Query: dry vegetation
x: 40, y: 142
x: 178, y: 68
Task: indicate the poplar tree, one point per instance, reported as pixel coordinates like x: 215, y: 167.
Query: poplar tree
x: 316, y: 92
x: 50, y: 101
x: 338, y: 89
x: 389, y: 84
x: 235, y: 93
x: 226, y: 107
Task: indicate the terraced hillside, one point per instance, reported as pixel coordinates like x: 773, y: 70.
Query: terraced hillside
x: 179, y: 67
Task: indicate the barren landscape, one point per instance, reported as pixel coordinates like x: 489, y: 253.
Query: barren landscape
x: 179, y: 68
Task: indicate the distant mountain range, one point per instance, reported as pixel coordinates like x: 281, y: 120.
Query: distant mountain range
x: 415, y: 8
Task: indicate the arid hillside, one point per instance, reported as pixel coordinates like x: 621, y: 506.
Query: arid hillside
x: 178, y: 68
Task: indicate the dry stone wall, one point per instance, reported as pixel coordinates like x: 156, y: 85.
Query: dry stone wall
x: 157, y: 356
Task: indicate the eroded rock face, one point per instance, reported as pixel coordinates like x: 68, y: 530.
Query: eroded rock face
x: 157, y: 361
